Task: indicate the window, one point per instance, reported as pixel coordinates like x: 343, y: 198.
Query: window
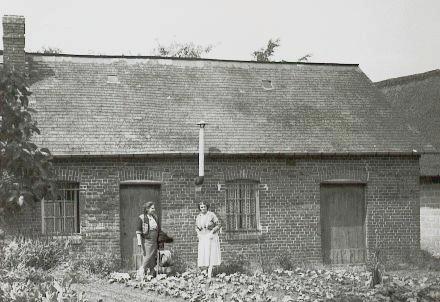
x: 267, y: 84
x: 112, y: 79
x: 61, y: 216
x: 242, y: 207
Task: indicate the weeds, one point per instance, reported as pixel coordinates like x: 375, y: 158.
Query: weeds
x: 101, y: 264
x: 422, y: 260
x: 179, y: 266
x: 32, y: 253
x: 238, y: 265
x: 284, y: 261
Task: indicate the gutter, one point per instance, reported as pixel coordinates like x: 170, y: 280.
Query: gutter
x: 220, y: 154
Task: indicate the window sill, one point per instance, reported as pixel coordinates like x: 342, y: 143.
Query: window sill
x: 73, y: 239
x: 243, y: 236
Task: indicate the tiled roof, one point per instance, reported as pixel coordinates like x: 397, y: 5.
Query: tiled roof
x: 417, y: 99
x: 137, y: 105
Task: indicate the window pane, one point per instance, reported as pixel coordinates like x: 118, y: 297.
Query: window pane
x: 49, y: 225
x: 59, y: 228
x: 70, y: 225
x: 48, y: 209
x: 69, y: 209
x: 58, y: 209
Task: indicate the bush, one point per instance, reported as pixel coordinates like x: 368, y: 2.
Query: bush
x: 38, y: 254
x: 101, y: 264
x: 73, y: 272
x: 178, y: 265
x: 24, y: 283
x: 284, y: 261
x: 422, y: 259
x: 24, y: 274
x: 52, y: 291
x: 238, y: 265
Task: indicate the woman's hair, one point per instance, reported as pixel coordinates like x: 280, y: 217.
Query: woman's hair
x: 147, y: 206
x: 202, y: 202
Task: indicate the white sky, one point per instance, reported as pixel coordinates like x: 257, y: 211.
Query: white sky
x: 387, y: 38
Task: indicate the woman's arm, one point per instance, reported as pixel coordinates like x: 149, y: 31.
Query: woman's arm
x: 197, y: 226
x: 217, y: 224
x: 139, y: 231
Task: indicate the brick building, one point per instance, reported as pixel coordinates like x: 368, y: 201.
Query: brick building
x: 417, y: 97
x: 304, y: 159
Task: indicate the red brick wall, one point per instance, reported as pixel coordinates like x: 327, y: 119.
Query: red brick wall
x: 289, y: 193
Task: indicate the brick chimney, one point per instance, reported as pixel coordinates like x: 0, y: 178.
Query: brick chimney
x: 13, y: 43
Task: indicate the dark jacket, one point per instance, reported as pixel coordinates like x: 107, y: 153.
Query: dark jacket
x: 143, y: 226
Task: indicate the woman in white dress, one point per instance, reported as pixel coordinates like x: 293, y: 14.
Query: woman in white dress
x: 207, y: 228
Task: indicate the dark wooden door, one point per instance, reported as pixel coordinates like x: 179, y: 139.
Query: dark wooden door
x: 343, y: 223
x: 132, y: 198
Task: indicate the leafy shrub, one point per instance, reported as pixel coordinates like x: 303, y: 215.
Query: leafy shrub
x: 32, y: 253
x: 178, y: 264
x: 25, y: 283
x: 98, y: 263
x: 23, y: 273
x: 422, y: 259
x: 29, y: 291
x: 72, y: 271
x: 239, y: 264
x: 284, y: 261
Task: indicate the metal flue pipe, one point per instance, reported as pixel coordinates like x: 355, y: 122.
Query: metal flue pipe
x: 200, y: 178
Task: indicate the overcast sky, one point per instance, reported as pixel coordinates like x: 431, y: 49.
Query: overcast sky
x: 387, y: 38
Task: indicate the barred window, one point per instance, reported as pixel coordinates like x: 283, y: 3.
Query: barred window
x: 242, y: 208
x: 61, y: 216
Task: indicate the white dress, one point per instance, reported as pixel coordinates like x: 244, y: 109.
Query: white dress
x: 209, y: 246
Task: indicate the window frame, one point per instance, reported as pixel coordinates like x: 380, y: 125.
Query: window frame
x: 235, y: 185
x: 63, y: 187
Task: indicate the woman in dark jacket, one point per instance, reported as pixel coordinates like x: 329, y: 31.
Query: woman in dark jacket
x: 147, y: 234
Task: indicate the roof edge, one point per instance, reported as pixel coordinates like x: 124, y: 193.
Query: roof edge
x: 288, y: 154
x: 184, y: 59
x: 407, y: 79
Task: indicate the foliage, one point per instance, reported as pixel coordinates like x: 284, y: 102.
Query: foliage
x: 72, y: 271
x: 51, y: 50
x: 239, y: 264
x: 377, y: 267
x: 48, y: 291
x: 32, y: 253
x: 99, y: 263
x: 422, y: 259
x: 22, y: 273
x: 179, y: 266
x: 305, y: 58
x: 27, y: 283
x: 182, y: 50
x: 265, y: 54
x: 300, y: 284
x: 284, y: 261
x: 25, y: 169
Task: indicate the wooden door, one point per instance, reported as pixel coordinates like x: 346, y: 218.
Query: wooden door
x: 132, y: 198
x: 343, y: 223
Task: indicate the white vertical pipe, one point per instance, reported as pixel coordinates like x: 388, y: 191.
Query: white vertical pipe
x: 202, y: 151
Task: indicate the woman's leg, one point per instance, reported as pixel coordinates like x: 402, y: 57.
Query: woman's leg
x: 210, y: 272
